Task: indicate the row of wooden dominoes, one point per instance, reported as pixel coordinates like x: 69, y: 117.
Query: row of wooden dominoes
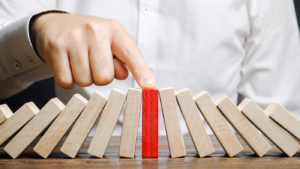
x: 57, y: 118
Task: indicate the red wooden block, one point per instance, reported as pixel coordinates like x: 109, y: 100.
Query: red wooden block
x: 150, y: 123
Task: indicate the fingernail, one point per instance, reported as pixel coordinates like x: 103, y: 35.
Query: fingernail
x: 147, y: 80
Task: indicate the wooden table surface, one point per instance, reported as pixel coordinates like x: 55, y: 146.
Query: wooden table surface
x: 245, y: 159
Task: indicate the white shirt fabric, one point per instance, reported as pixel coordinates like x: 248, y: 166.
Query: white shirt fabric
x: 240, y: 48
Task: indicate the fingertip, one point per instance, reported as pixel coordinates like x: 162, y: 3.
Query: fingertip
x: 70, y: 86
x: 67, y: 86
x: 104, y: 78
x: 65, y: 82
x: 122, y: 76
x: 121, y: 72
x: 148, y: 82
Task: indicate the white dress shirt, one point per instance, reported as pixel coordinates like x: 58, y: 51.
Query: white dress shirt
x: 240, y: 48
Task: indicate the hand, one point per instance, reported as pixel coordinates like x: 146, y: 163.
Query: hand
x: 84, y: 49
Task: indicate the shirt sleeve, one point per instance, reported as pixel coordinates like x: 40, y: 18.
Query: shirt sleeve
x: 20, y: 66
x: 271, y: 68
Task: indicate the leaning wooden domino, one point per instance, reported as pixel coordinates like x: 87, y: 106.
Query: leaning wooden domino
x: 17, y: 121
x: 267, y: 126
x: 243, y: 126
x: 284, y: 118
x: 34, y: 127
x: 218, y: 124
x: 60, y: 126
x: 84, y: 124
x: 107, y: 123
x: 5, y: 113
x: 270, y: 122
x: 172, y: 122
x: 130, y: 123
x: 150, y: 123
x: 194, y: 122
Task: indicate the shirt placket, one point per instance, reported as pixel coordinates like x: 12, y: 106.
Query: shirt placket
x: 147, y: 21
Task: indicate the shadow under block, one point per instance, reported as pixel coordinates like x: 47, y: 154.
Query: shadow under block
x: 130, y: 123
x: 172, y: 122
x: 284, y: 118
x: 150, y: 123
x: 218, y: 124
x: 17, y: 121
x: 60, y: 126
x: 5, y: 113
x: 107, y: 123
x: 34, y: 128
x: 243, y: 126
x: 268, y: 127
x: 194, y: 122
x: 84, y: 124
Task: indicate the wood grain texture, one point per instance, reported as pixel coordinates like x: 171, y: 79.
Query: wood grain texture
x: 194, y: 122
x: 34, y: 128
x: 274, y: 159
x: 130, y: 123
x: 284, y: 118
x: 218, y: 124
x: 267, y: 126
x: 243, y: 126
x: 60, y: 126
x: 172, y: 122
x: 17, y: 121
x: 150, y: 123
x: 107, y: 123
x: 84, y: 124
x: 5, y: 113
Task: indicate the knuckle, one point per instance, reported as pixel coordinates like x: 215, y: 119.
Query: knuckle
x: 115, y: 24
x: 74, y: 34
x: 93, y: 27
x: 74, y: 37
x: 55, y: 43
x: 64, y: 82
x: 131, y: 50
x: 84, y: 83
x: 140, y: 69
x: 83, y: 76
x: 103, y: 79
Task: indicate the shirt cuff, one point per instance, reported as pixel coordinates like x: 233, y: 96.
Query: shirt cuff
x: 17, y: 55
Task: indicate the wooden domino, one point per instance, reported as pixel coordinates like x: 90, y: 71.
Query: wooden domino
x: 84, y: 124
x: 60, y: 126
x: 5, y: 113
x: 34, y: 128
x: 28, y: 122
x: 267, y: 126
x: 218, y: 124
x: 130, y: 123
x: 17, y: 121
x: 194, y: 122
x: 243, y: 126
x: 107, y: 123
x: 172, y: 122
x: 150, y: 123
x: 284, y: 118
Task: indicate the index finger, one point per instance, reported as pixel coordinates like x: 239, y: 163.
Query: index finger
x: 124, y: 48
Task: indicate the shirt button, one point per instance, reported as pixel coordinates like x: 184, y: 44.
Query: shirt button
x: 17, y: 65
x: 30, y: 60
x: 146, y: 9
